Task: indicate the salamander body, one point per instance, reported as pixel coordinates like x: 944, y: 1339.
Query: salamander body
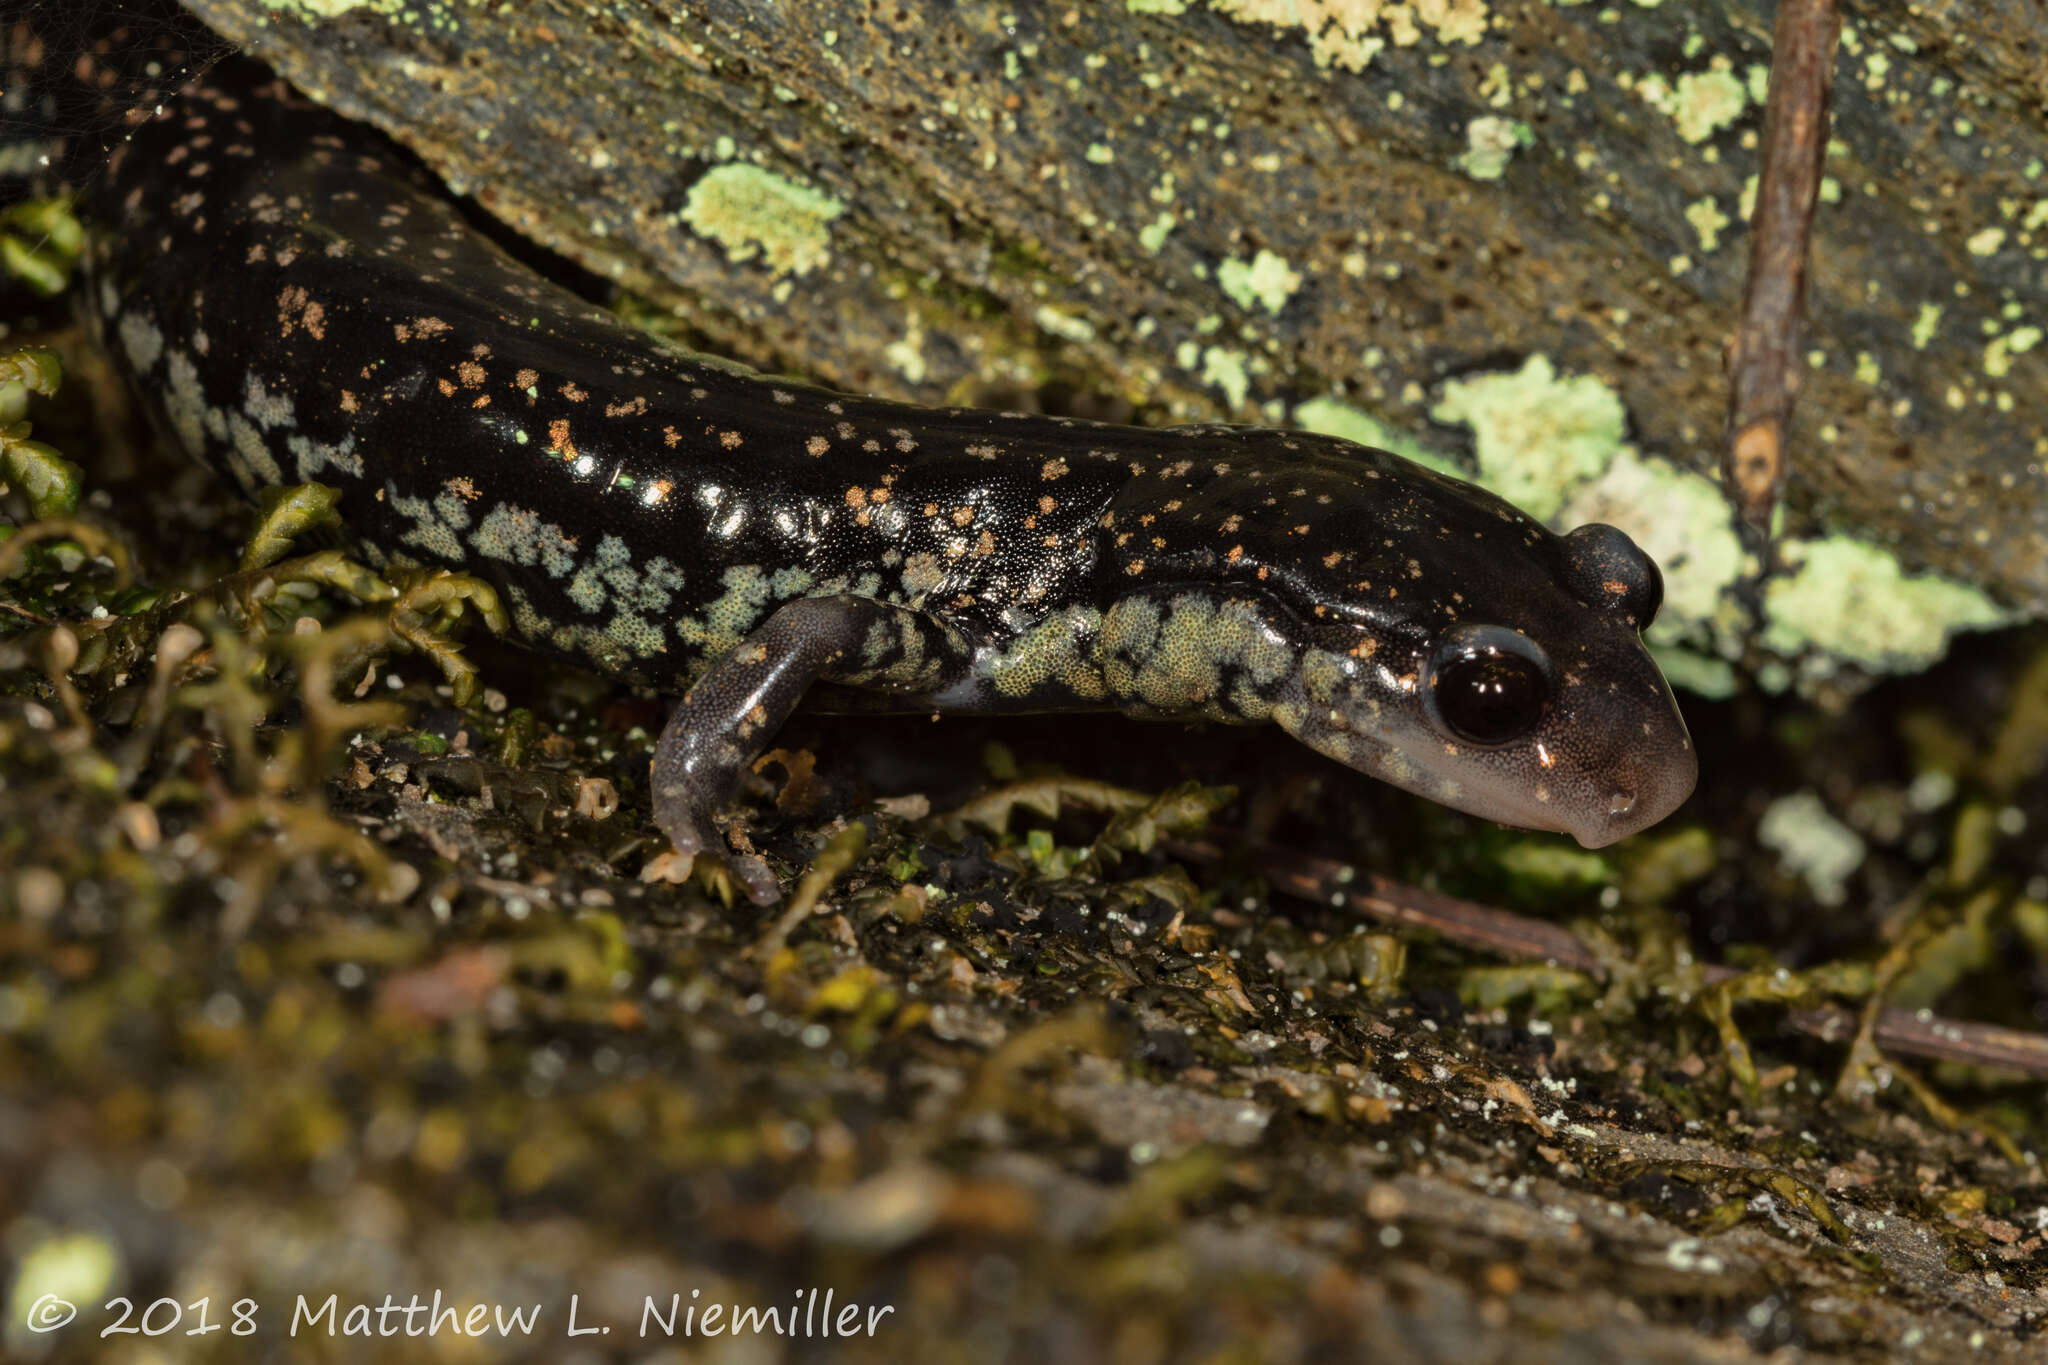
x: 295, y: 303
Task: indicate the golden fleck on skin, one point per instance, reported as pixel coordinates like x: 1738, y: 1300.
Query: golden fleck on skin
x: 816, y: 446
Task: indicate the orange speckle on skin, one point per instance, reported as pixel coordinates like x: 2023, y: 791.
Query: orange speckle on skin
x: 470, y: 373
x: 558, y: 439
x: 349, y: 403
x: 817, y: 445
x: 1236, y: 553
x: 446, y: 386
x: 1052, y: 469
x: 731, y: 440
x: 526, y: 379
x: 856, y: 497
x: 572, y: 393
x: 673, y: 437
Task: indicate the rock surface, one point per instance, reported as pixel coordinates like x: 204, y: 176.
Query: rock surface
x: 1182, y: 207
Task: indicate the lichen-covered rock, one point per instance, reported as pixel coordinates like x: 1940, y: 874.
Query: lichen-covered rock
x: 1225, y: 206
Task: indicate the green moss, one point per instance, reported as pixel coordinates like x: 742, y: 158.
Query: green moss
x: 1536, y: 434
x: 751, y: 212
x: 1852, y: 602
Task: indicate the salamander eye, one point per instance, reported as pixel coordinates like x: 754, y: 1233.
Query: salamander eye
x: 1488, y: 685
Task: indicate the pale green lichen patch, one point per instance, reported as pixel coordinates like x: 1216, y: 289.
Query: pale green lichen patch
x: 1490, y: 143
x: 1707, y: 220
x: 1682, y: 521
x: 1225, y: 369
x: 1536, y: 434
x: 751, y: 212
x: 1348, y: 34
x: 1812, y: 844
x: 1702, y: 103
x: 1986, y: 242
x: 1265, y: 281
x: 1554, y: 446
x: 1333, y: 417
x: 1064, y: 325
x: 1999, y: 352
x: 1852, y: 602
x: 1924, y: 325
x: 332, y: 9
x: 1154, y: 234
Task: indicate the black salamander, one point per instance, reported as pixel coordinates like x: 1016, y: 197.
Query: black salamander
x: 295, y: 303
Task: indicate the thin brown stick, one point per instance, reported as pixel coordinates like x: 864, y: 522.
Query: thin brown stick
x: 1764, y: 362
x: 1908, y: 1033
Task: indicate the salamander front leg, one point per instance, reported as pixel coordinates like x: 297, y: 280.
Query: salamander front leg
x: 724, y: 722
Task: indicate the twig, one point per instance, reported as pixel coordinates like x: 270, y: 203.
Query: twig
x: 1764, y: 363
x: 1904, y: 1032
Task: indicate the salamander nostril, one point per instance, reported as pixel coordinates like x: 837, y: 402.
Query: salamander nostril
x: 1620, y: 803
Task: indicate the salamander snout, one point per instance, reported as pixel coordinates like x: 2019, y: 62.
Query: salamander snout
x: 1638, y: 794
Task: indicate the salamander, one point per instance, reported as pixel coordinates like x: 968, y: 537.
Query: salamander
x: 294, y: 301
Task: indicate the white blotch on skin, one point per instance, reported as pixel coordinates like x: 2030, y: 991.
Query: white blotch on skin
x: 143, y: 340
x: 267, y: 409
x: 520, y: 536
x: 258, y: 466
x: 185, y: 404
x: 315, y: 456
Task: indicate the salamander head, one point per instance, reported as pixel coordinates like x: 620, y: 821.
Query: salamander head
x: 1450, y: 645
